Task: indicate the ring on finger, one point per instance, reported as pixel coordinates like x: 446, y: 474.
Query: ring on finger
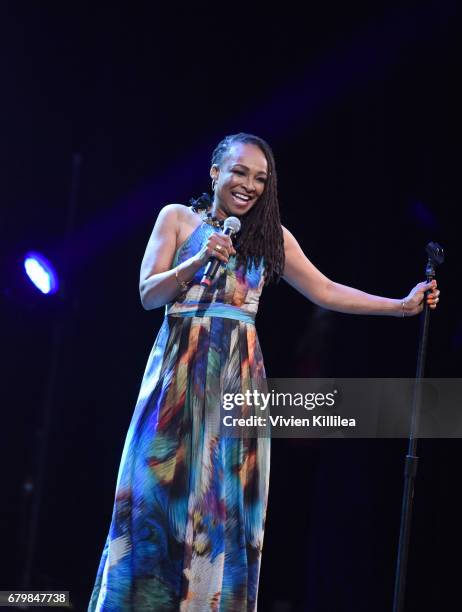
x: 218, y: 247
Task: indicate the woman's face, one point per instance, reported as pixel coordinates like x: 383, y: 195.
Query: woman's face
x: 240, y: 180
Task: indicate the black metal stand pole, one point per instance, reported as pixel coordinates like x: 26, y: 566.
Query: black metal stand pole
x: 435, y: 257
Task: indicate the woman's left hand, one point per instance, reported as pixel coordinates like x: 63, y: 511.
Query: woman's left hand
x: 414, y: 303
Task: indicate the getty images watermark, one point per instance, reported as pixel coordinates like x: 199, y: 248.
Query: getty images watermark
x: 363, y: 408
x: 262, y: 401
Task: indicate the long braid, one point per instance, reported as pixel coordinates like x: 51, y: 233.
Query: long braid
x: 261, y: 235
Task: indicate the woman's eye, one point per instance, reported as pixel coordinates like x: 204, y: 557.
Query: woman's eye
x: 260, y: 179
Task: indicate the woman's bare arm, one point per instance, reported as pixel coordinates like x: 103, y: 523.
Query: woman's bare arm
x: 306, y: 278
x: 159, y: 283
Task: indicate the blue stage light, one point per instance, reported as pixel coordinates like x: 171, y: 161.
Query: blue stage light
x: 41, y: 273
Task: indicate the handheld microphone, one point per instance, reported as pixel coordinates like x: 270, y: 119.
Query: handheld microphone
x: 231, y: 226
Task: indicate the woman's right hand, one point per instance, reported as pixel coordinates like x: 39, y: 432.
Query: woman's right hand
x: 219, y: 246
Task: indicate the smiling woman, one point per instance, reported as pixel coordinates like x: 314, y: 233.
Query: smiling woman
x: 189, y: 513
x: 244, y: 182
x: 238, y: 185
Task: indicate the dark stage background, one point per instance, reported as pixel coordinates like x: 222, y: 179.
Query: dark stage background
x: 359, y: 104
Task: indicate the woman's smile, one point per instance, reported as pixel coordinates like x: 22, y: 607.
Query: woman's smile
x: 241, y: 199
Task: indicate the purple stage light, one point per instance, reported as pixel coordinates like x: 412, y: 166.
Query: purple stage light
x: 41, y: 273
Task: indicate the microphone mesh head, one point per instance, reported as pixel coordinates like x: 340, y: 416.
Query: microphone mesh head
x: 233, y: 224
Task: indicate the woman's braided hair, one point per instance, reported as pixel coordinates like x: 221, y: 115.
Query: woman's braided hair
x: 260, y: 237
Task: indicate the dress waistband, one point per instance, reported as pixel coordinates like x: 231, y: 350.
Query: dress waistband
x: 214, y: 309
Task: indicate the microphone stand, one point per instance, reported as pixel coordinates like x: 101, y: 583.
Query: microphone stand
x: 435, y: 257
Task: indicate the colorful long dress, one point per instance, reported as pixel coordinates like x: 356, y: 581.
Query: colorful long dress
x: 188, y: 519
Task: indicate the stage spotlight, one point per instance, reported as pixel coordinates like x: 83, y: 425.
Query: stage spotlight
x: 41, y: 273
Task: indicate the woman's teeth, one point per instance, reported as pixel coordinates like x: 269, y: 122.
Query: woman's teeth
x: 241, y: 197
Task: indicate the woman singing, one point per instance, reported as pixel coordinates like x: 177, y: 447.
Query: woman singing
x: 189, y: 513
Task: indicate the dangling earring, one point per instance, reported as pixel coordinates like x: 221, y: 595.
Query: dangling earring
x: 214, y: 182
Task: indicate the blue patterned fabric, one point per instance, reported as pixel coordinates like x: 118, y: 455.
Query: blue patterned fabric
x: 188, y: 520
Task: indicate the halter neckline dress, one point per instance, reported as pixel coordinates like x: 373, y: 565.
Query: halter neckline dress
x: 188, y: 520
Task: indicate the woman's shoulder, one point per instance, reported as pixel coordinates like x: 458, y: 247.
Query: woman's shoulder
x: 180, y: 214
x: 288, y: 237
x: 175, y: 210
x: 182, y: 217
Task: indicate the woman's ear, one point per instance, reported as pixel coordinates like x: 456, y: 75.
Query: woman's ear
x: 214, y: 172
